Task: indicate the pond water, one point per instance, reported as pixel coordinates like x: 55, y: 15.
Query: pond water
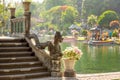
x: 96, y: 59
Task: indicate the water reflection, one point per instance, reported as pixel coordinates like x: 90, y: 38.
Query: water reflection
x: 97, y: 59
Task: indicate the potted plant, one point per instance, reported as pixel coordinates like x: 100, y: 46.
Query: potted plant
x: 26, y: 4
x: 70, y: 56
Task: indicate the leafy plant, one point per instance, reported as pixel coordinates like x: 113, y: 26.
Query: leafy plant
x: 115, y: 33
x: 92, y: 20
x: 84, y: 32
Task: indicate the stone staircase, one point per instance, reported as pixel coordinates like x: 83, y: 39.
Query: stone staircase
x: 17, y: 61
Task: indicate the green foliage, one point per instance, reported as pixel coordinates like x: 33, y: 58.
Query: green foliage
x: 0, y: 23
x: 84, y: 32
x: 19, y: 12
x: 92, y: 20
x: 69, y: 14
x: 53, y: 3
x: 52, y: 26
x: 4, y: 15
x: 96, y: 7
x: 1, y: 9
x: 115, y: 34
x: 36, y: 9
x: 106, y: 17
x: 62, y: 16
x: 78, y: 24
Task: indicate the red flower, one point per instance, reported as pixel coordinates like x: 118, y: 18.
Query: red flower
x: 63, y: 7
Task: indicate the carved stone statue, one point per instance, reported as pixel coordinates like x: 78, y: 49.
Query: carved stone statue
x: 54, y: 48
x: 56, y: 55
x: 55, y: 52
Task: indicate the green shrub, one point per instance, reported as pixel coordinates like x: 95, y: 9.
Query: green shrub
x: 114, y: 34
x: 106, y: 17
x: 84, y: 32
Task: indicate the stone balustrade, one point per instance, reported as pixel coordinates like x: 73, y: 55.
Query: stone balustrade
x: 52, y: 60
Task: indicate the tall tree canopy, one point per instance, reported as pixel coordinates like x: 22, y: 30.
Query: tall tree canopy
x: 92, y: 20
x: 96, y: 7
x: 61, y: 16
x: 106, y: 17
x: 52, y: 3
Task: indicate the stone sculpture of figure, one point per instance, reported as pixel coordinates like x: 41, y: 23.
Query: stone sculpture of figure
x: 54, y: 48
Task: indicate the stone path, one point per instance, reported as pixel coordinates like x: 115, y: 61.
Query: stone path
x: 99, y: 76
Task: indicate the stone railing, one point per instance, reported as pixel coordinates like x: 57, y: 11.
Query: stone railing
x: 17, y: 26
x: 38, y: 48
x: 52, y: 60
x: 21, y: 25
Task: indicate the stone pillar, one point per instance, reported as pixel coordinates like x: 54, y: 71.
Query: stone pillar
x: 12, y: 16
x: 26, y: 6
x: 27, y: 15
x: 12, y: 11
x: 55, y: 68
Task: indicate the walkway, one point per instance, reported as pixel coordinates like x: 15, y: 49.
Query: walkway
x: 99, y: 76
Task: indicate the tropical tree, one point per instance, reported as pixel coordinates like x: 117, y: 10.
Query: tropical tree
x: 1, y: 14
x: 4, y: 15
x: 61, y: 16
x: 96, y: 7
x: 92, y: 20
x: 106, y: 17
x: 53, y: 3
x: 114, y: 24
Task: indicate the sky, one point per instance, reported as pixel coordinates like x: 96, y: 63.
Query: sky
x: 23, y: 0
x: 12, y: 1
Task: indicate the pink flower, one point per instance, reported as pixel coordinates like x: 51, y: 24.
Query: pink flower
x: 72, y: 53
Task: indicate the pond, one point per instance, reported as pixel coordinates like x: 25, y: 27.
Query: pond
x: 96, y: 59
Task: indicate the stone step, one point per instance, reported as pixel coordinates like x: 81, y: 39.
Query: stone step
x: 22, y: 70
x: 11, y: 49
x: 12, y: 40
x: 25, y: 76
x: 15, y: 54
x: 18, y: 62
x: 20, y: 65
x: 18, y: 59
x: 18, y: 44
